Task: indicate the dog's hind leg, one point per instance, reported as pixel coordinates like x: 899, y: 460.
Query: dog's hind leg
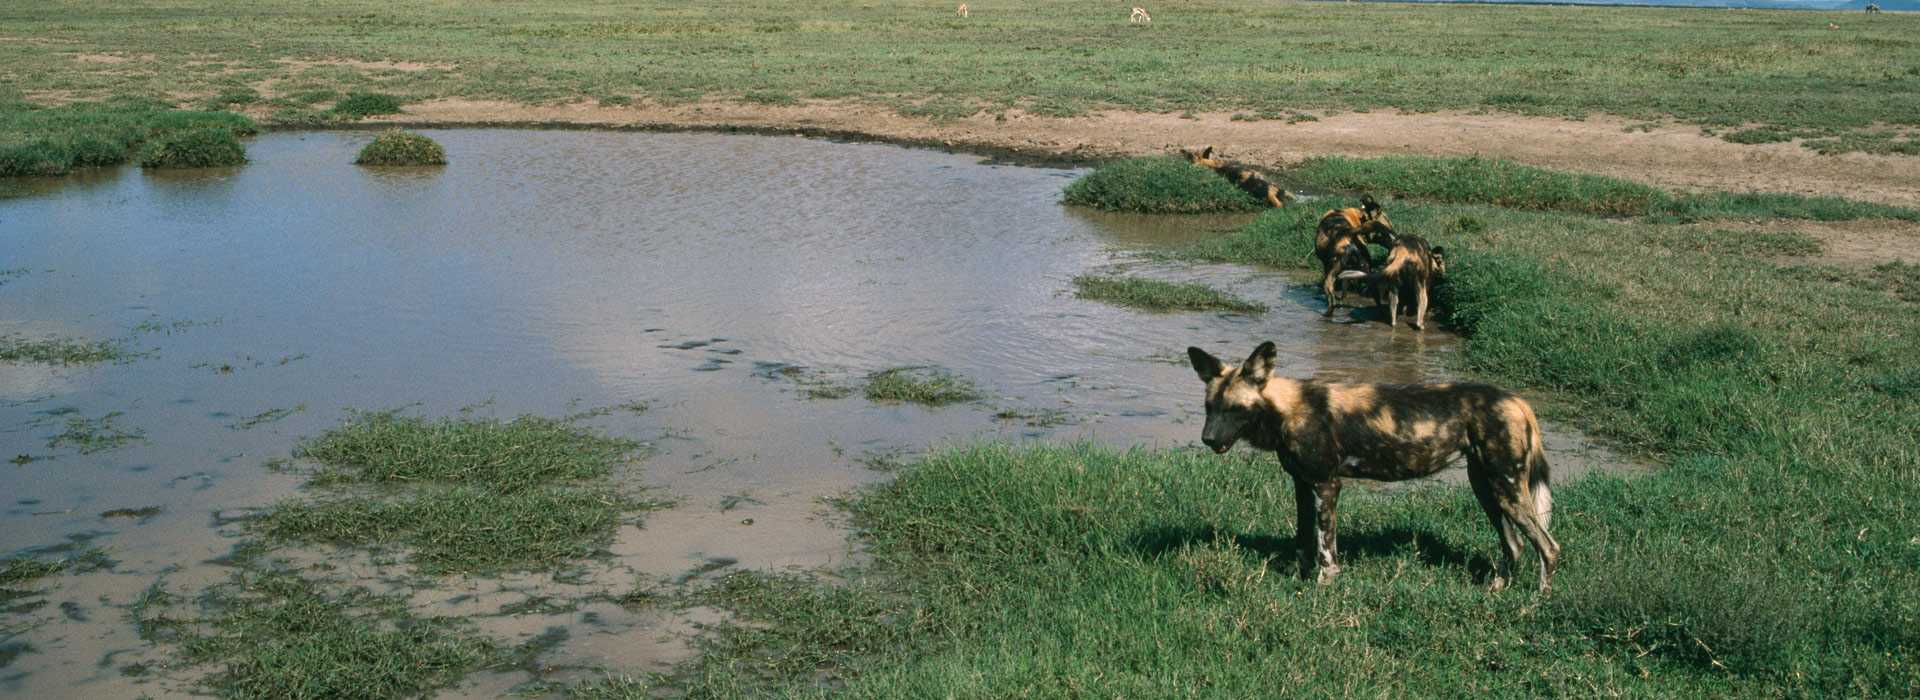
x: 1519, y: 509
x: 1502, y: 528
x: 1327, y: 285
x: 1393, y: 304
x: 1420, y: 315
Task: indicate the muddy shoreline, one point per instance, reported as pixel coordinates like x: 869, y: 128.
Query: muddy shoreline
x: 1671, y: 155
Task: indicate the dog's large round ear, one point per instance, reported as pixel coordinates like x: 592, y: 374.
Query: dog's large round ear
x: 1204, y: 364
x: 1439, y: 251
x: 1208, y: 153
x: 1368, y: 204
x: 1259, y: 365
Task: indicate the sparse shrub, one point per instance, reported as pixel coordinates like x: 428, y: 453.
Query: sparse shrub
x: 1160, y: 185
x: 367, y: 104
x: 206, y: 147
x: 401, y: 148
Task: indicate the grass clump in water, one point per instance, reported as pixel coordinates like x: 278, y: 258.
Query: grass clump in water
x: 1158, y: 185
x: 1156, y: 295
x: 464, y: 495
x: 38, y: 140
x: 207, y: 147
x: 920, y: 385
x: 58, y: 351
x: 401, y: 148
x: 367, y: 104
x: 276, y: 635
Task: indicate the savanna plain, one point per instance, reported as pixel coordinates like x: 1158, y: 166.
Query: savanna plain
x: 936, y: 438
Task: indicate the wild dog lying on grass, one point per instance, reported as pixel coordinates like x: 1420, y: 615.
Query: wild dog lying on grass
x: 1342, y: 232
x: 1247, y: 178
x: 1140, y: 16
x: 1387, y: 432
x: 1412, y: 268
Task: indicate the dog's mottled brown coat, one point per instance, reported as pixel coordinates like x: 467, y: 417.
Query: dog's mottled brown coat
x: 1389, y: 432
x: 1247, y: 179
x: 1341, y: 242
x: 1411, y: 270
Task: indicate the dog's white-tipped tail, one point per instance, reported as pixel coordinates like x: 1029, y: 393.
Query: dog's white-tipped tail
x: 1539, y: 477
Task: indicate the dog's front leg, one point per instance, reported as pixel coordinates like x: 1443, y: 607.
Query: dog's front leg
x: 1326, y: 546
x: 1314, y: 534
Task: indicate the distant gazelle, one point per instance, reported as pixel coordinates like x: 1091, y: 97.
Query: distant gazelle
x: 1831, y: 25
x: 1140, y: 16
x: 963, y: 10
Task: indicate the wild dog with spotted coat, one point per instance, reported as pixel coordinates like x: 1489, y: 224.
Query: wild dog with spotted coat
x: 1412, y: 268
x: 1340, y: 242
x: 1324, y: 432
x: 1247, y: 179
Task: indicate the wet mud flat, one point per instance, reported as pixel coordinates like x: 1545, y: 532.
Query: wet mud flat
x: 735, y: 293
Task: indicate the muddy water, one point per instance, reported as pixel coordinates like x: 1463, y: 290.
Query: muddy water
x: 552, y: 272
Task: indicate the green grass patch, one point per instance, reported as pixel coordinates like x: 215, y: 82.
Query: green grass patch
x: 207, y: 147
x: 461, y: 495
x: 275, y: 635
x: 401, y: 148
x: 366, y: 104
x: 1506, y: 184
x: 1158, y: 185
x: 58, y: 351
x: 1156, y: 295
x: 39, y: 140
x: 920, y: 385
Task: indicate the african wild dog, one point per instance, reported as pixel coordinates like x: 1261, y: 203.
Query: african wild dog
x: 962, y: 11
x: 1247, y: 178
x: 1342, y: 232
x: 1388, y: 432
x: 1412, y: 268
x: 1140, y: 16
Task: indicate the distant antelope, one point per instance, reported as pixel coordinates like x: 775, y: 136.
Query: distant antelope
x: 1831, y: 25
x: 963, y: 10
x: 1140, y: 16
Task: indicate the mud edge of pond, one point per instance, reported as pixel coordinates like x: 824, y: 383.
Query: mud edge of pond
x: 1010, y: 155
x: 1665, y: 154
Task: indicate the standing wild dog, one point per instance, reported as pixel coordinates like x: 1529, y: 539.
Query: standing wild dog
x: 1247, y: 178
x: 1387, y: 432
x: 1412, y: 268
x: 1341, y: 242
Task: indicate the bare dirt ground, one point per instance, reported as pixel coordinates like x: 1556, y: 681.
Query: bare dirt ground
x: 1672, y: 156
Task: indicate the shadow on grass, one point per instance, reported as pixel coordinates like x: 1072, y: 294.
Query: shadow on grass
x: 1282, y: 553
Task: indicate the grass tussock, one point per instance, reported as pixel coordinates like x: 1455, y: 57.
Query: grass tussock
x: 275, y: 635
x: 923, y: 386
x: 1156, y: 295
x: 1158, y: 185
x: 401, y: 148
x: 462, y: 495
x: 208, y: 147
x: 366, y: 104
x: 40, y: 140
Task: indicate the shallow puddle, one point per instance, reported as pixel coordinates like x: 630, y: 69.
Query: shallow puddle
x: 716, y: 278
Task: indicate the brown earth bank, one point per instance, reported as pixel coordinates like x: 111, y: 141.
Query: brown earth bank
x: 1673, y: 156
